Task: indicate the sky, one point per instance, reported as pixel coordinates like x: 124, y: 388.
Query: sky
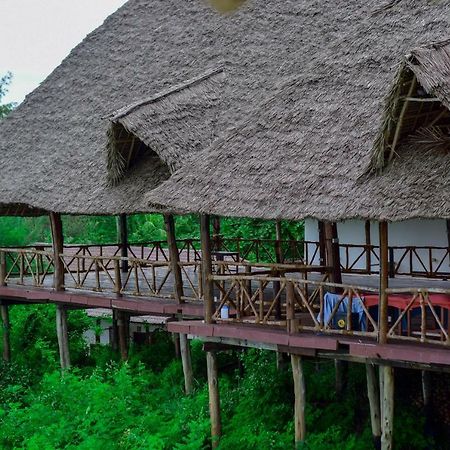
x: 38, y: 34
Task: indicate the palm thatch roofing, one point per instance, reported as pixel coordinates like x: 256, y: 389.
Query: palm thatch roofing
x: 296, y: 114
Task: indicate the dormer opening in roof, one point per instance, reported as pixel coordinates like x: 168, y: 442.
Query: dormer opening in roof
x: 172, y: 125
x: 417, y: 107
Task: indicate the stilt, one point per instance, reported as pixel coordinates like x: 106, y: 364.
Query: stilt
x: 176, y: 345
x: 123, y: 341
x: 115, y: 330
x: 208, y: 287
x: 427, y: 403
x: 387, y: 405
x: 299, y: 405
x: 384, y: 282
x: 122, y: 237
x: 174, y: 257
x: 214, y: 399
x: 6, y: 332
x: 187, y: 364
x: 58, y: 248
x: 373, y: 394
x: 341, y: 376
x: 63, y: 336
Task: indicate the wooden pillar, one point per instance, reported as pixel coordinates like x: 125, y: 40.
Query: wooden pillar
x: 176, y: 345
x: 300, y: 399
x: 216, y: 233
x: 387, y: 406
x: 332, y: 252
x: 384, y: 282
x: 174, y: 257
x: 63, y: 336
x: 322, y: 243
x: 279, y: 259
x: 368, y: 243
x: 208, y: 286
x: 373, y: 393
x: 122, y: 323
x: 58, y: 248
x: 6, y: 332
x: 115, y: 330
x: 122, y: 237
x: 187, y: 364
x: 214, y: 399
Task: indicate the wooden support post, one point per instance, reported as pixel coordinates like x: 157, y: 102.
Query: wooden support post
x: 6, y: 332
x: 122, y: 323
x: 3, y: 272
x: 174, y: 257
x: 63, y: 336
x: 115, y: 330
x: 216, y: 233
x: 373, y: 393
x: 341, y: 377
x: 208, y: 286
x: 368, y: 248
x: 176, y: 345
x: 214, y: 398
x: 58, y: 248
x: 300, y: 399
x: 187, y: 364
x: 322, y: 244
x: 387, y: 405
x: 333, y: 258
x: 384, y: 282
x: 278, y: 259
x: 122, y: 235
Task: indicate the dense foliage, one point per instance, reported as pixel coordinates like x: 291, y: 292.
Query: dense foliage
x: 6, y: 108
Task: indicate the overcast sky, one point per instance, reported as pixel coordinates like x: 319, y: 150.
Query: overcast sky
x: 38, y: 34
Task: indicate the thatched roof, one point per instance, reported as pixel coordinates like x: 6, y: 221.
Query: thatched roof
x: 293, y: 157
x: 174, y: 124
x: 305, y: 152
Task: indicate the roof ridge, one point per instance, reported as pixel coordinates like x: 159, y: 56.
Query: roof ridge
x: 165, y: 93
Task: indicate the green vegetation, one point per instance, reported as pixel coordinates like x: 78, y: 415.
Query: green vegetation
x: 6, y: 108
x: 102, y: 403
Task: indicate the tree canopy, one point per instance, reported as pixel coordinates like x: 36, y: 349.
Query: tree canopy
x: 6, y: 108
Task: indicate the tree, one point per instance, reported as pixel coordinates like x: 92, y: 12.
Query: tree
x: 5, y: 81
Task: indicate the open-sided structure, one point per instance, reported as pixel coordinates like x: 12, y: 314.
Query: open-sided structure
x: 285, y: 110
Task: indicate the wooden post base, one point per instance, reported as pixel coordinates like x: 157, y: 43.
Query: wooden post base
x: 300, y: 399
x: 187, y: 364
x: 387, y: 406
x: 63, y: 336
x: 214, y: 399
x: 373, y: 393
x: 6, y: 333
x: 122, y: 325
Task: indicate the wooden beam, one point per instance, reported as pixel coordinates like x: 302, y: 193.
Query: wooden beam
x: 300, y: 399
x: 276, y: 285
x: 6, y: 332
x: 63, y: 336
x: 174, y: 256
x: 387, y: 405
x: 58, y: 248
x: 208, y: 287
x: 384, y: 283
x: 122, y: 237
x: 332, y: 252
x: 373, y: 393
x: 187, y: 364
x: 322, y: 243
x: 214, y: 398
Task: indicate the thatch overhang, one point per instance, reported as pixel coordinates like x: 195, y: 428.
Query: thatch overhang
x: 53, y: 145
x: 173, y: 125
x: 293, y: 159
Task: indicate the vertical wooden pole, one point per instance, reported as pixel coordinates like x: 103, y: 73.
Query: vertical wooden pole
x: 3, y: 272
x: 122, y: 235
x: 216, y: 233
x: 187, y: 364
x: 373, y: 393
x: 278, y: 259
x: 123, y: 341
x: 58, y: 248
x: 300, y: 399
x: 214, y: 399
x: 333, y: 259
x: 174, y: 257
x: 322, y: 243
x: 384, y: 282
x: 63, y: 336
x: 387, y: 404
x: 6, y: 332
x: 208, y: 287
x: 115, y: 330
x: 368, y: 246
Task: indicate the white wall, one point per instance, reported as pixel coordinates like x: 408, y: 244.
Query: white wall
x: 427, y: 233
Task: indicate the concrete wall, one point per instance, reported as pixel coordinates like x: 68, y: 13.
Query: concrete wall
x: 427, y: 233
